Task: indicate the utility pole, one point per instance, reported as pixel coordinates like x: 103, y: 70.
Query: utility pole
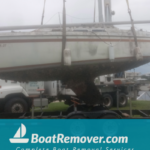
x: 43, y: 13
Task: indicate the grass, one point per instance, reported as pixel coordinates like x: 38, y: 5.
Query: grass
x: 140, y: 105
x: 60, y: 106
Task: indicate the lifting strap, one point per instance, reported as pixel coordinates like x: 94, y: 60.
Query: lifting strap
x: 132, y: 23
x: 43, y: 13
x: 128, y: 4
x: 63, y: 32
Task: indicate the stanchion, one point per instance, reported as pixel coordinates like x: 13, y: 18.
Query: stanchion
x: 32, y: 109
x: 117, y: 98
x: 130, y: 100
x: 41, y: 90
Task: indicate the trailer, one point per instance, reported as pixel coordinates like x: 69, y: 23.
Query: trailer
x: 96, y: 112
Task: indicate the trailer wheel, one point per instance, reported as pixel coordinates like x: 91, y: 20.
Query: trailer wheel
x: 110, y: 116
x: 122, y: 100
x: 77, y: 117
x: 16, y: 105
x: 108, y: 100
x: 79, y: 108
x: 70, y: 109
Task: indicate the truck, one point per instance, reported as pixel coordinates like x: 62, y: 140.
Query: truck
x: 16, y: 97
x: 108, y: 86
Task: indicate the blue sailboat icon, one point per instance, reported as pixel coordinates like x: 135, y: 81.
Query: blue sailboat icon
x: 18, y: 138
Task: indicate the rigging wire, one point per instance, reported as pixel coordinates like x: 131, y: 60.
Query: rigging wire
x: 51, y: 18
x: 60, y: 19
x: 47, y: 21
x: 109, y: 44
x: 66, y: 15
x: 100, y: 38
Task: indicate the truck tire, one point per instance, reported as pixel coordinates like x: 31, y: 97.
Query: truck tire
x: 108, y: 100
x: 16, y: 105
x: 123, y: 100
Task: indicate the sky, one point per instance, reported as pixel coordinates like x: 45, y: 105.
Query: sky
x: 29, y: 12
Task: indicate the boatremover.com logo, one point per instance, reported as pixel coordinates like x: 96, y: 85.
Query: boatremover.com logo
x: 60, y: 138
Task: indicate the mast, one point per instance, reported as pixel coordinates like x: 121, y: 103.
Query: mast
x: 100, y: 10
x: 108, y: 12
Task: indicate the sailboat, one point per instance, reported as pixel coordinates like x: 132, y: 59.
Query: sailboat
x: 73, y: 53
x: 94, y: 50
x: 18, y: 137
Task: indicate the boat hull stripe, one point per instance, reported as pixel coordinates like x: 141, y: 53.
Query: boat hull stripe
x: 71, y: 40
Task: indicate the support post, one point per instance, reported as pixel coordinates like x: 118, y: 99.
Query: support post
x: 40, y: 90
x: 130, y: 102
x: 130, y: 107
x: 41, y: 100
x: 117, y: 98
x: 32, y: 109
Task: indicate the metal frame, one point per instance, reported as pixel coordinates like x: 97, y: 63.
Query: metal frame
x: 143, y: 114
x: 6, y: 28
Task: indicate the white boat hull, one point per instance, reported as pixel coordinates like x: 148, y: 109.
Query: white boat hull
x: 38, y: 56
